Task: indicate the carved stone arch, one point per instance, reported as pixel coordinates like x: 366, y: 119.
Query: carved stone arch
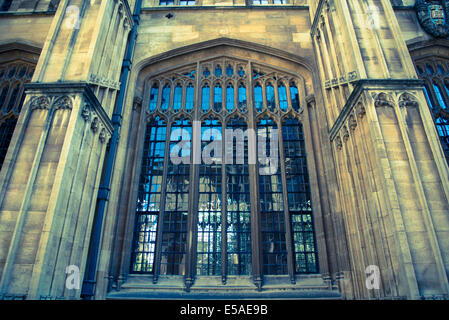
x: 383, y: 99
x: 408, y: 100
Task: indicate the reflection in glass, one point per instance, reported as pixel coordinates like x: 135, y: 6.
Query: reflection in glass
x: 299, y: 200
x: 174, y: 229
x: 153, y: 97
x: 294, y: 94
x: 165, y: 97
x: 210, y: 203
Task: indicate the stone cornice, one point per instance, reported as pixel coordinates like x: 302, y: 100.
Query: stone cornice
x: 375, y: 84
x: 72, y: 88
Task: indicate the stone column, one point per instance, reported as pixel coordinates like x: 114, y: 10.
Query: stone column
x: 50, y: 179
x: 392, y: 177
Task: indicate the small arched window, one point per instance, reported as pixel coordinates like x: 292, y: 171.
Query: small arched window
x: 439, y: 95
x: 271, y: 103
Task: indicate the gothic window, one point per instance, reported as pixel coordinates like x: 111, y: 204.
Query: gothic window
x: 6, y: 4
x: 12, y: 78
x: 436, y: 90
x: 257, y: 2
x: 218, y: 202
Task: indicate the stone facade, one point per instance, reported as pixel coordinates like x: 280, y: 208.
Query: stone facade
x: 378, y: 175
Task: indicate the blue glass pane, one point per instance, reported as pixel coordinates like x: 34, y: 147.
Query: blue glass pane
x: 206, y: 73
x: 258, y: 98
x: 271, y: 103
x: 153, y: 97
x: 217, y: 98
x: 283, y: 103
x: 429, y: 69
x: 230, y: 98
x: 439, y: 96
x: 177, y: 99
x: 229, y: 71
x: 165, y: 97
x: 218, y: 71
x: 190, y: 93
x: 242, y: 98
x: 429, y: 100
x: 294, y: 94
x: 205, y: 97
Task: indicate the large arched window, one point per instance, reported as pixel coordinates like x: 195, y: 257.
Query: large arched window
x: 12, y: 78
x: 217, y: 209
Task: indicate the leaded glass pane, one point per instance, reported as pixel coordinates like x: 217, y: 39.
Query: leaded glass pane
x: 299, y: 199
x: 230, y: 97
x: 210, y: 202
x: 283, y: 104
x: 271, y: 207
x: 177, y: 99
x: 258, y: 98
x: 153, y: 97
x: 205, y: 97
x: 217, y: 98
x: 149, y: 197
x: 165, y: 97
x: 238, y: 208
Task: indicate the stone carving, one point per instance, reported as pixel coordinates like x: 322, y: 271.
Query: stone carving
x: 41, y: 102
x: 102, y: 135
x: 407, y: 100
x: 361, y: 111
x: 345, y: 133
x: 94, y: 125
x: 338, y: 143
x: 352, y: 122
x: 63, y: 102
x: 85, y: 112
x: 383, y: 100
x: 433, y: 16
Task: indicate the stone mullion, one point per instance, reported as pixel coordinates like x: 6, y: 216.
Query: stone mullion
x: 161, y: 215
x: 289, y: 98
x: 256, y: 234
x: 224, y: 249
x: 287, y: 220
x: 195, y: 159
